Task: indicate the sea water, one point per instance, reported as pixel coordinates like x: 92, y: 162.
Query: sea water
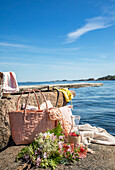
x: 95, y: 105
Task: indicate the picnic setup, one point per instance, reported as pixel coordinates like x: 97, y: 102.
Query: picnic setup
x: 48, y: 131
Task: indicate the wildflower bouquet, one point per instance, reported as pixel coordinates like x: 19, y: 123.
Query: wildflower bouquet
x: 48, y: 150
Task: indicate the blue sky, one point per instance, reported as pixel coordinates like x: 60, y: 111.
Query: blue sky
x: 44, y: 40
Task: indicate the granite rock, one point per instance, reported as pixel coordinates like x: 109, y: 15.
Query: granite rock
x: 102, y: 159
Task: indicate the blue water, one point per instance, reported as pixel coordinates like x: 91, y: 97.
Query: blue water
x: 95, y: 105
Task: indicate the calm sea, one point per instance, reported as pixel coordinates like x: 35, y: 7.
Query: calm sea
x: 95, y: 105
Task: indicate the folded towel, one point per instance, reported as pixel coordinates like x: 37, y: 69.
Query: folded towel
x: 9, y: 82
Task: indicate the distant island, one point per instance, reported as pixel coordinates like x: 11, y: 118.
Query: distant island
x: 109, y: 77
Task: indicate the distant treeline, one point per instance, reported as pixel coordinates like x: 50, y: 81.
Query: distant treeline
x: 109, y: 77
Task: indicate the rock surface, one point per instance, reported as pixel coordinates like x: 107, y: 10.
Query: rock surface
x: 7, y: 105
x: 103, y: 159
x: 51, y: 86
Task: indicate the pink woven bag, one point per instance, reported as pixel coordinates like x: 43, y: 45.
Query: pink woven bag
x: 25, y: 124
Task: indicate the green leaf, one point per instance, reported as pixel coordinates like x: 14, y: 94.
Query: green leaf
x: 57, y: 130
x: 63, y: 161
x: 24, y: 151
x: 52, y: 163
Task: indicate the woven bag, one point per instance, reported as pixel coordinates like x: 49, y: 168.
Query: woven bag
x: 25, y: 124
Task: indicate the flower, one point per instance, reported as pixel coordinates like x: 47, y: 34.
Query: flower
x: 40, y: 141
x: 60, y: 144
x: 48, y: 149
x: 82, y: 149
x: 38, y: 161
x: 47, y: 135
x: 53, y: 137
x: 61, y: 137
x: 45, y: 155
x: 69, y: 150
x: 73, y: 134
x: 72, y: 146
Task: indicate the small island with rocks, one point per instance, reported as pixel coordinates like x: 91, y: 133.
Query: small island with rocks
x: 108, y: 78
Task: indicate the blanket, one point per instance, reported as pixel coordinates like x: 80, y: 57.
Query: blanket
x: 95, y: 135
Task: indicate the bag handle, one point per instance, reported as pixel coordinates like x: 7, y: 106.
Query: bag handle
x: 58, y: 93
x: 28, y: 98
x: 42, y: 96
x: 31, y: 90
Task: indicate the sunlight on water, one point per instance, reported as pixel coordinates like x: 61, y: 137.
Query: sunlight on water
x: 96, y: 105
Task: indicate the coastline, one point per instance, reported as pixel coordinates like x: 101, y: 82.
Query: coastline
x: 55, y: 81
x: 105, y: 78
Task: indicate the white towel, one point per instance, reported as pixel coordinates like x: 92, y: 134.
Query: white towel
x: 96, y: 135
x: 43, y: 105
x: 9, y: 83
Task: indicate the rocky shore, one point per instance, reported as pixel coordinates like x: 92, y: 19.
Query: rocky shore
x: 102, y: 159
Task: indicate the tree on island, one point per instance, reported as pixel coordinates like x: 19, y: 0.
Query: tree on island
x: 109, y: 77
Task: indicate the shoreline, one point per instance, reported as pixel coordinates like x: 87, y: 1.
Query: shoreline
x: 54, y: 81
x: 105, y: 78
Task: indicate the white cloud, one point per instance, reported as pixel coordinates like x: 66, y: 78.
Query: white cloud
x: 37, y: 50
x: 13, y: 45
x: 92, y: 24
x: 51, y: 65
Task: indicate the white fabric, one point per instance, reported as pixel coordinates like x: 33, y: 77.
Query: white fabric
x: 67, y: 112
x: 29, y: 107
x: 43, y: 105
x: 95, y: 135
x: 9, y: 83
